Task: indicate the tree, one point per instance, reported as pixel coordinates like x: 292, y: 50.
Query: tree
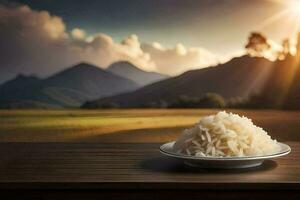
x: 286, y: 46
x: 100, y: 105
x: 286, y: 49
x: 208, y: 100
x: 212, y: 100
x: 298, y: 45
x: 184, y: 102
x: 257, y: 45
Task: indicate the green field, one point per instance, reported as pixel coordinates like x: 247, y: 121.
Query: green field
x: 143, y: 125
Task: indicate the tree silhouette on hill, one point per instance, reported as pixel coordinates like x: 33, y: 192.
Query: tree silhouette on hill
x: 257, y: 45
x: 286, y: 49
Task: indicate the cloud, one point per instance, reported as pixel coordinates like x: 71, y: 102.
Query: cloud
x: 32, y: 42
x: 37, y: 42
x: 78, y: 34
x: 102, y: 50
x: 179, y: 58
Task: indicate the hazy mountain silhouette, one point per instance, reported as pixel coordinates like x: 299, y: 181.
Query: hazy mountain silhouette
x: 68, y: 88
x: 278, y: 84
x: 131, y: 72
x: 18, y: 83
x: 239, y: 77
x: 292, y: 100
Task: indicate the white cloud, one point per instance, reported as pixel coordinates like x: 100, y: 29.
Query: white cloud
x: 179, y: 58
x: 78, y: 34
x: 37, y: 42
x: 102, y: 50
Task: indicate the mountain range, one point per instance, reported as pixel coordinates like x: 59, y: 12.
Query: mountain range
x: 70, y: 87
x: 240, y: 77
x: 126, y: 86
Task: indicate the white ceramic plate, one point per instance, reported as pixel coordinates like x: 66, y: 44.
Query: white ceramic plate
x: 225, y: 163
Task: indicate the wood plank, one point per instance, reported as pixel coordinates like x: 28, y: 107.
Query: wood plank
x: 131, y: 166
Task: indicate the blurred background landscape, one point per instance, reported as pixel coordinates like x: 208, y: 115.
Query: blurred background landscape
x: 116, y: 71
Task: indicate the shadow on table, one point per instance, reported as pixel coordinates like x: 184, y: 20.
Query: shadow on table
x: 169, y: 165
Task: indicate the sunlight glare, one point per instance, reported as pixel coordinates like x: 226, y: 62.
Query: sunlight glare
x: 295, y: 8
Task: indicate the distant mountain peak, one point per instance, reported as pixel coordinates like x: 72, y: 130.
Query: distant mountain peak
x: 18, y: 83
x: 79, y: 69
x: 123, y: 64
x: 134, y: 73
x: 22, y: 76
x: 84, y: 65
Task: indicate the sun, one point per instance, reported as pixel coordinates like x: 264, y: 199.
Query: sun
x: 295, y: 8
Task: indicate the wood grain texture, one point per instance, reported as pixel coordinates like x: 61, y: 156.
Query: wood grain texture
x: 131, y: 166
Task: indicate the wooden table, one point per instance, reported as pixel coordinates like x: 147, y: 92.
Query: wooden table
x: 134, y: 171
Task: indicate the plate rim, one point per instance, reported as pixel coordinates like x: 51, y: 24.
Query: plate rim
x: 182, y: 156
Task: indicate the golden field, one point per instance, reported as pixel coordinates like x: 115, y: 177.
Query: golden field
x: 133, y: 125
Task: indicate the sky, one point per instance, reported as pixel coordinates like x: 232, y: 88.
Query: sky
x: 167, y: 36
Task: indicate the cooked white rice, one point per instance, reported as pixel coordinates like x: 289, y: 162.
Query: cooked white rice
x: 225, y: 135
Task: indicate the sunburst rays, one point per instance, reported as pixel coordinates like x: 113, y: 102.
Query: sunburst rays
x: 289, y: 16
x: 289, y: 21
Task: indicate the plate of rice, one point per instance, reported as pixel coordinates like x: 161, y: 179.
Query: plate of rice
x: 224, y: 140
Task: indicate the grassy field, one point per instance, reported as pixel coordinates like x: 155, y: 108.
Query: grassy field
x: 148, y: 125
